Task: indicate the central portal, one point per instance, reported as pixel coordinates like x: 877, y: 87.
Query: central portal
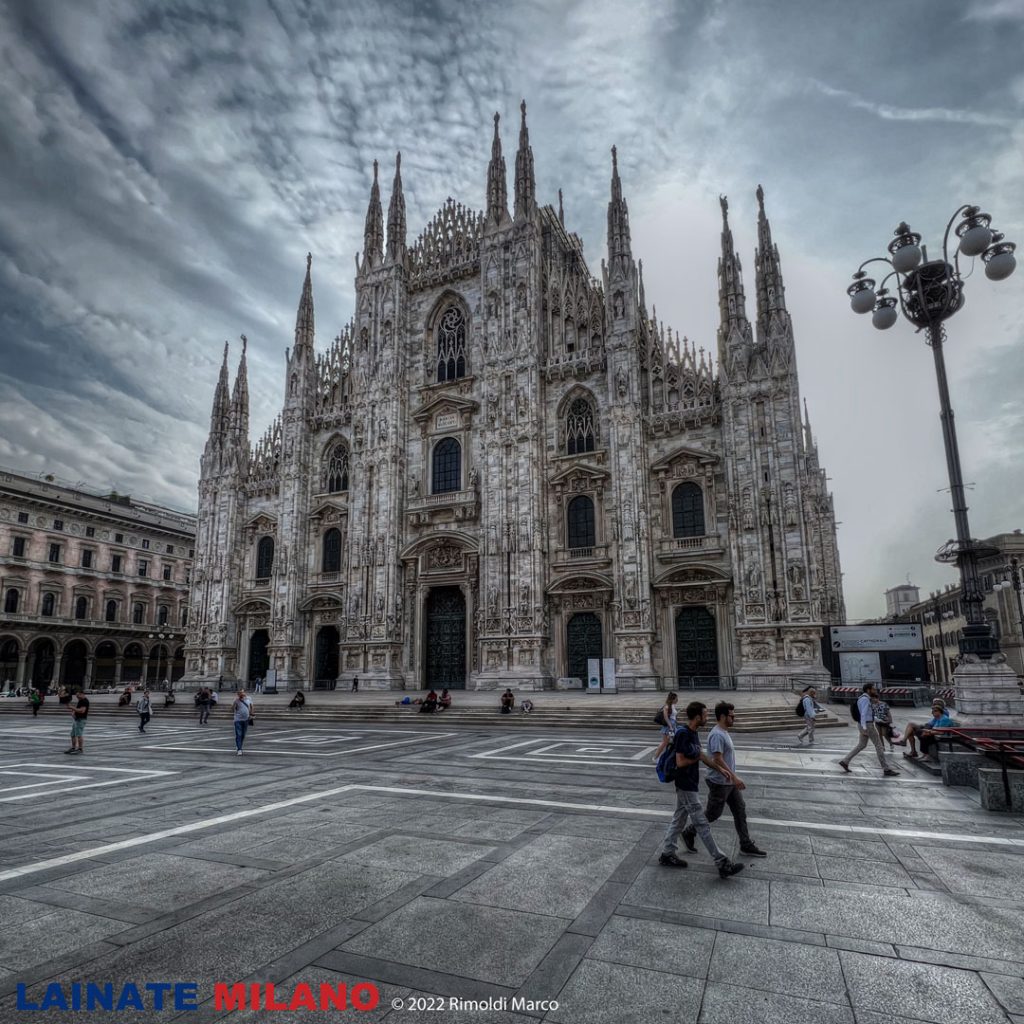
x: 696, y: 646
x: 445, y: 654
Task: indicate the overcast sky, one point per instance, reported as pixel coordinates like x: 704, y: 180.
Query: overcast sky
x: 165, y: 166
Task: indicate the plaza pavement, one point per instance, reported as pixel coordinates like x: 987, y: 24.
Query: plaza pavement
x: 487, y: 865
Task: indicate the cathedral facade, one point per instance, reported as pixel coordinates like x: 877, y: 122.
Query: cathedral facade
x: 505, y: 466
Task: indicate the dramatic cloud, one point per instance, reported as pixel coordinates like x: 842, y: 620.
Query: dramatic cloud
x: 168, y: 163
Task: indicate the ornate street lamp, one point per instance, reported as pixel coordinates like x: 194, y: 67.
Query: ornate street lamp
x: 929, y: 292
x: 1013, y: 582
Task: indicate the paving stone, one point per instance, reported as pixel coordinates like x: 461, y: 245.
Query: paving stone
x: 419, y: 856
x: 732, y: 1004
x: 158, y: 880
x: 547, y: 876
x: 607, y: 993
x: 673, y: 948
x: 976, y: 873
x: 783, y: 967
x: 34, y: 933
x: 866, y: 872
x: 919, y: 990
x: 741, y: 898
x: 487, y: 943
x: 600, y: 828
x: 1009, y: 991
x: 862, y: 850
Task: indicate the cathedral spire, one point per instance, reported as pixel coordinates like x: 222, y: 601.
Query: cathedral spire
x: 396, y: 216
x: 526, y: 189
x: 220, y: 414
x: 561, y: 210
x: 240, y: 400
x: 771, y: 294
x: 620, y: 253
x: 304, y: 318
x: 731, y: 299
x: 373, y: 232
x: 497, y: 186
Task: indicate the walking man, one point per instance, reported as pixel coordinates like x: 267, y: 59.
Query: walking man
x: 144, y: 706
x: 721, y: 791
x: 810, y: 709
x: 242, y: 709
x: 355, y: 684
x: 79, y: 713
x: 868, y: 732
x: 688, y: 754
x: 203, y: 702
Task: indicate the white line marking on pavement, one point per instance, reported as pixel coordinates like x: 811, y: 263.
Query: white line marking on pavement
x: 487, y: 798
x: 141, y: 775
x: 255, y: 748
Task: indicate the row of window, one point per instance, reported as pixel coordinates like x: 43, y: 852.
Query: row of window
x: 111, y: 610
x: 55, y: 556
x: 90, y: 531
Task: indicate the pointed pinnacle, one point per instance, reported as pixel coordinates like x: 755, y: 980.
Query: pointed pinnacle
x: 760, y: 198
x: 725, y: 210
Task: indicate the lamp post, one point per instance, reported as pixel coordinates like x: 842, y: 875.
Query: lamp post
x: 929, y: 292
x: 159, y: 650
x: 1013, y: 582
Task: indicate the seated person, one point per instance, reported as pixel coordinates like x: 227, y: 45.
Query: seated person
x: 444, y: 701
x: 299, y: 700
x: 404, y: 700
x: 122, y: 701
x: 508, y: 701
x: 925, y: 734
x: 168, y: 698
x: 429, y: 705
x: 526, y: 705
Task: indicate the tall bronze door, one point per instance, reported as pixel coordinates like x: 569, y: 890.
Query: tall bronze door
x: 445, y: 655
x: 696, y: 645
x: 582, y: 642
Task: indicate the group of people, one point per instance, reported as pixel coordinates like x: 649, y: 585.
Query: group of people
x: 429, y: 704
x: 508, y: 703
x: 725, y: 788
x: 205, y: 700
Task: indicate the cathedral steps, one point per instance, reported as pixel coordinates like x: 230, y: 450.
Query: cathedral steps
x: 551, y: 711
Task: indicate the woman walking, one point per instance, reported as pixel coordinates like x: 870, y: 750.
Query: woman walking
x: 242, y: 709
x: 144, y: 706
x: 668, y: 729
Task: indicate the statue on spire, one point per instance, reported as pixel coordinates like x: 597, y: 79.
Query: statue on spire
x: 373, y: 232
x: 497, y: 186
x: 396, y: 215
x: 526, y: 189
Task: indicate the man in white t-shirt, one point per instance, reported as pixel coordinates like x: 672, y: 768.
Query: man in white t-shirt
x: 722, y: 791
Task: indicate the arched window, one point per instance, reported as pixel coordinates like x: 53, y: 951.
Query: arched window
x: 332, y: 550
x: 264, y: 558
x: 161, y: 615
x: 580, y: 518
x: 336, y: 478
x: 81, y: 607
x: 580, y: 432
x: 687, y: 511
x: 48, y: 604
x: 11, y: 601
x: 110, y: 615
x: 451, y: 345
x: 447, y: 467
x: 138, y: 614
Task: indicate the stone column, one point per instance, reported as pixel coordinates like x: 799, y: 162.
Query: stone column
x: 118, y: 665
x: 22, y: 661
x: 90, y: 661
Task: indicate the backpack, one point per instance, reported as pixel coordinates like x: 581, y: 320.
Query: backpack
x: 659, y: 718
x: 855, y: 711
x: 799, y: 709
x: 666, y: 766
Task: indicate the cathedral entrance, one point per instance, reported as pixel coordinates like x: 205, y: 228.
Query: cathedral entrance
x: 582, y: 642
x: 445, y: 654
x: 325, y: 658
x: 259, y: 660
x: 696, y: 645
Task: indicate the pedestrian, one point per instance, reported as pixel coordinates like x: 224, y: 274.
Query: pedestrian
x: 203, y: 703
x: 810, y: 708
x: 258, y: 685
x: 864, y: 715
x: 242, y: 709
x: 688, y: 755
x: 721, y: 791
x: 144, y: 707
x: 669, y: 723
x: 883, y: 722
x: 79, y: 713
x: 220, y: 683
x: 35, y: 698
x: 355, y: 684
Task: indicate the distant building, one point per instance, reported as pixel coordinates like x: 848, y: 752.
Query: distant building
x: 93, y: 585
x: 900, y: 599
x: 942, y: 619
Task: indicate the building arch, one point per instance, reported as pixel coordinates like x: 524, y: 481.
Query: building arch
x: 10, y: 651
x: 131, y: 665
x: 42, y: 662
x: 104, y: 669
x: 448, y: 331
x: 579, y: 422
x: 74, y: 664
x: 336, y: 462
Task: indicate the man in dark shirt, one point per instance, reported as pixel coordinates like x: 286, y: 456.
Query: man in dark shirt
x: 688, y: 806
x: 79, y: 713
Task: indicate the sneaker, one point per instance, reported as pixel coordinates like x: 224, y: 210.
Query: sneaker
x: 752, y: 851
x: 238, y: 753
x: 70, y: 750
x: 691, y: 841
x: 670, y: 860
x: 728, y: 868
x: 76, y: 750
x: 890, y: 771
x: 844, y: 766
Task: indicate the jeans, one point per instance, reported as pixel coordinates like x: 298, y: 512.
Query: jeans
x: 688, y: 807
x: 143, y: 720
x: 868, y: 734
x: 720, y: 795
x: 240, y: 731
x: 204, y: 713
x: 807, y: 730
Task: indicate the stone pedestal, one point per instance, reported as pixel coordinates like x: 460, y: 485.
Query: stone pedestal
x: 988, y: 693
x: 993, y: 790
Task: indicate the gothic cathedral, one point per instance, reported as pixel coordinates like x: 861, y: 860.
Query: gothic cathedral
x: 504, y: 467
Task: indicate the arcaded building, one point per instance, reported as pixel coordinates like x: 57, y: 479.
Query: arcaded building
x: 505, y: 466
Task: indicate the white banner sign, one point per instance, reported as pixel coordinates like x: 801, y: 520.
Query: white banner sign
x: 901, y: 637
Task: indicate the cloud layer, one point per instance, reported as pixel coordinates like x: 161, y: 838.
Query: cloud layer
x: 168, y: 163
